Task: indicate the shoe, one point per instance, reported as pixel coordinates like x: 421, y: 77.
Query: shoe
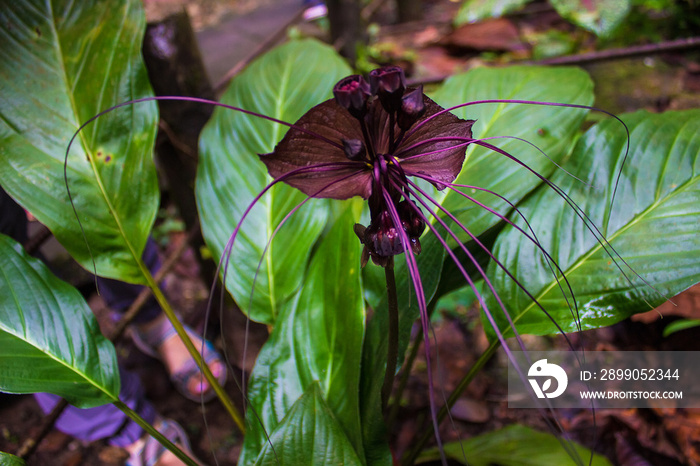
x: 149, y: 451
x: 149, y: 341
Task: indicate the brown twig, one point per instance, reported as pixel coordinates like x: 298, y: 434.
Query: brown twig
x: 625, y: 52
x: 689, y: 43
x: 30, y: 445
x: 37, y: 240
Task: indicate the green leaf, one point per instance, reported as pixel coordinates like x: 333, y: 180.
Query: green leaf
x: 375, y: 345
x: 515, y: 445
x: 472, y: 11
x: 678, y: 325
x: 601, y: 17
x: 7, y: 459
x: 653, y: 226
x: 283, y: 84
x: 317, y: 338
x: 49, y: 338
x: 61, y: 63
x: 552, y: 129
x: 310, y: 435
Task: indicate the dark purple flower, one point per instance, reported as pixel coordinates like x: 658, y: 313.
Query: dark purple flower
x: 358, y: 145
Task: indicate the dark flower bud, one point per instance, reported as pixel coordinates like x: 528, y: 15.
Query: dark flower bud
x: 412, y: 108
x: 352, y: 94
x: 411, y: 218
x: 388, y: 83
x: 354, y: 149
x: 415, y: 246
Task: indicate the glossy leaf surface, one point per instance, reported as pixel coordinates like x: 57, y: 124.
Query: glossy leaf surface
x: 552, y: 129
x: 516, y: 445
x: 317, y: 338
x: 653, y: 225
x: 283, y: 84
x: 309, y: 434
x: 61, y: 63
x: 7, y: 459
x: 49, y: 338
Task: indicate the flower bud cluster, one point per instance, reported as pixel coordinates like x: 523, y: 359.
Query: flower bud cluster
x: 388, y: 84
x: 382, y: 240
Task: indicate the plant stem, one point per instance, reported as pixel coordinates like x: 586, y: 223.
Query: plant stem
x: 405, y: 374
x: 406, y: 368
x: 194, y: 352
x: 393, y: 346
x: 154, y: 433
x: 410, y: 457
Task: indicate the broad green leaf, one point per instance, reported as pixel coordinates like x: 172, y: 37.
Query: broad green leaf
x: 283, y: 84
x: 310, y: 435
x: 552, y: 129
x: 472, y: 11
x: 317, y: 338
x: 601, y: 17
x: 7, y: 459
x: 61, y: 63
x: 653, y: 225
x: 375, y: 345
x: 516, y: 445
x: 49, y: 338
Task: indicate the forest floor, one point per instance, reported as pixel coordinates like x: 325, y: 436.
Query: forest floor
x: 430, y: 49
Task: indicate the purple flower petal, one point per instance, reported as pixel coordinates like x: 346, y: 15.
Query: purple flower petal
x: 446, y: 156
x: 301, y: 147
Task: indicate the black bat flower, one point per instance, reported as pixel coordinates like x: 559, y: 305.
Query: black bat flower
x: 365, y: 143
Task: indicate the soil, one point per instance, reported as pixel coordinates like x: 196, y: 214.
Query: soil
x: 432, y: 48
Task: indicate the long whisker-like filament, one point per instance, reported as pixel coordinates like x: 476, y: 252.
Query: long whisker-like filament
x: 499, y: 335
x: 414, y: 273
x: 590, y: 225
x: 532, y: 237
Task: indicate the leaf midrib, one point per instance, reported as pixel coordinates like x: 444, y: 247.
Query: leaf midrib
x: 41, y: 350
x: 583, y: 259
x: 81, y: 135
x: 279, y: 111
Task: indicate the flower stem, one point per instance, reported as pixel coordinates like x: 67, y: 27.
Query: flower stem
x: 410, y: 457
x: 393, y: 347
x: 406, y: 368
x: 194, y: 352
x: 154, y: 433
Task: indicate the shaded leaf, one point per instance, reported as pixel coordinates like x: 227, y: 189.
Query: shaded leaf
x: 601, y: 17
x: 476, y: 10
x: 653, y: 226
x: 60, y: 64
x: 283, y: 84
x: 49, y: 338
x: 552, y: 129
x: 309, y: 434
x: 516, y: 445
x: 317, y: 338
